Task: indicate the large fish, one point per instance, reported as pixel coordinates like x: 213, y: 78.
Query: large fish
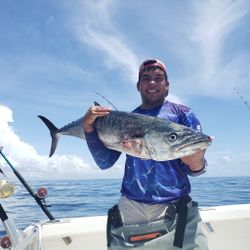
x: 139, y: 135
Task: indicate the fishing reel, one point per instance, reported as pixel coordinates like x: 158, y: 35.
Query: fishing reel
x: 41, y: 194
x: 6, y: 188
x: 5, y: 242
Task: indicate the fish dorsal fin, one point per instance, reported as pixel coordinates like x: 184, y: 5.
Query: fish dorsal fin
x: 96, y: 103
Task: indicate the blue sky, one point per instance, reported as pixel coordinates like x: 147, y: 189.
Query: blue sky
x: 54, y: 54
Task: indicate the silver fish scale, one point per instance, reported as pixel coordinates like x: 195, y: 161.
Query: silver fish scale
x: 123, y: 125
x: 74, y: 128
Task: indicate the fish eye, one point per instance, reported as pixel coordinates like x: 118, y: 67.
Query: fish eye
x: 172, y: 137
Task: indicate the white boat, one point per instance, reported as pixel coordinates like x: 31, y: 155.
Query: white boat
x: 226, y: 227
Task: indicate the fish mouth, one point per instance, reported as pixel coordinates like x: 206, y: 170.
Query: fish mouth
x: 201, y: 143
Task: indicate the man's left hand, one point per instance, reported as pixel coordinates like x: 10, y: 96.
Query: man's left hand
x: 195, y: 161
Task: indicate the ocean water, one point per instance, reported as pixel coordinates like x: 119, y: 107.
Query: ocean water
x: 74, y: 198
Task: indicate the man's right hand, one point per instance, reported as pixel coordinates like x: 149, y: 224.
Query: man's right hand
x: 91, y: 115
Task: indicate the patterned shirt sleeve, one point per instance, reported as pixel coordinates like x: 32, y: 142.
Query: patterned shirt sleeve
x: 104, y: 157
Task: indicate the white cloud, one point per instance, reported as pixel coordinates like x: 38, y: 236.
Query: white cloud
x: 228, y: 163
x: 205, y: 46
x: 199, y: 45
x: 117, y: 53
x: 96, y: 29
x: 214, y: 25
x: 25, y: 157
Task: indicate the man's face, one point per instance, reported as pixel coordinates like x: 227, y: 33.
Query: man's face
x: 153, y: 87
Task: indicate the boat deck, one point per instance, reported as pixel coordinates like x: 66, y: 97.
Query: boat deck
x: 226, y: 227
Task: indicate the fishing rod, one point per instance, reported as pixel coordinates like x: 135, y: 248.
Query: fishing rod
x: 14, y: 235
x: 14, y: 239
x: 39, y: 196
x: 97, y: 93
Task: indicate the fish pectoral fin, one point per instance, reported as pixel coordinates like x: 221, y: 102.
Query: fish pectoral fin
x: 127, y: 145
x: 131, y: 145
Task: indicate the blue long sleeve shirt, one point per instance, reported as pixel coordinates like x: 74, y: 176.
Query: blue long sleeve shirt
x: 151, y: 181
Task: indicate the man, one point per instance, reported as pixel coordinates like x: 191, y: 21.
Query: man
x: 154, y: 211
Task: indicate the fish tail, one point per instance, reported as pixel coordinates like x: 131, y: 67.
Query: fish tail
x: 53, y: 132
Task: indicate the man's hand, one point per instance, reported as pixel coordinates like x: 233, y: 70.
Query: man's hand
x: 195, y: 161
x: 91, y: 115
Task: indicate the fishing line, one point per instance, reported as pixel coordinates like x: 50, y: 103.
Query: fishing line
x: 97, y: 93
x: 242, y: 98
